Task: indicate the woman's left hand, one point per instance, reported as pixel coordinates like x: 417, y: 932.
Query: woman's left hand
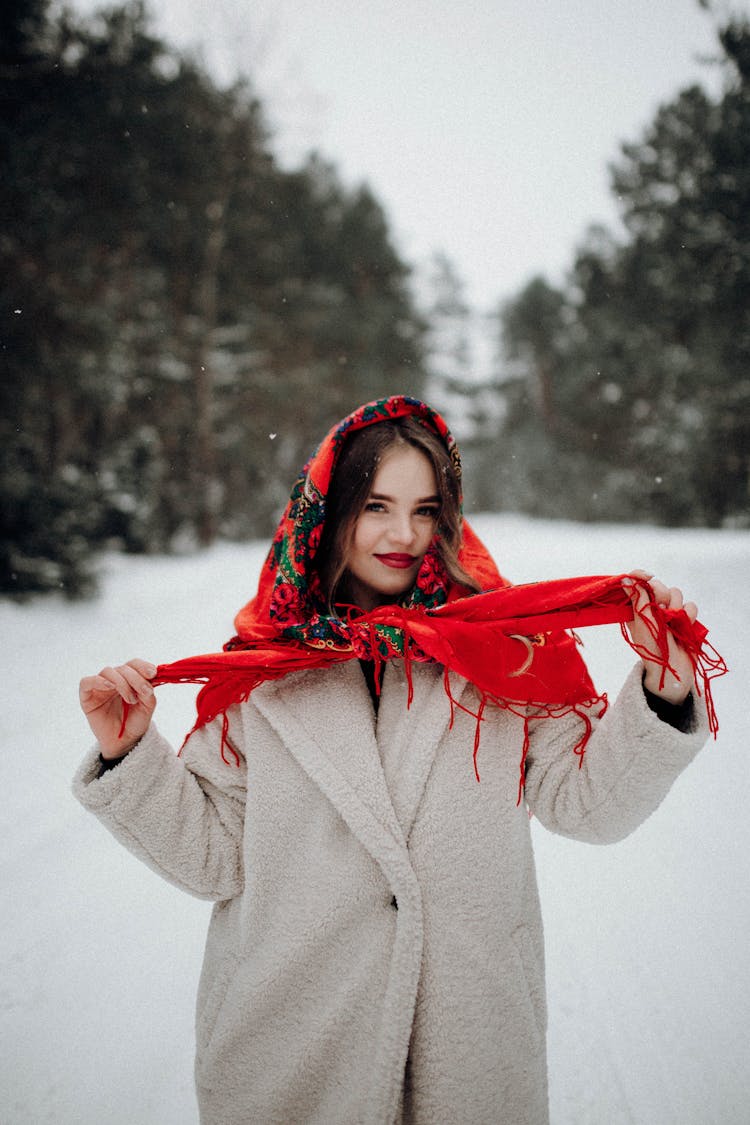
x: 673, y: 689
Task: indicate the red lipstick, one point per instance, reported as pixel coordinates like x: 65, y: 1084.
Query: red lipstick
x: 398, y: 562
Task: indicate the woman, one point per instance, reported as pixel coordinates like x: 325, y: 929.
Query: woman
x: 375, y: 953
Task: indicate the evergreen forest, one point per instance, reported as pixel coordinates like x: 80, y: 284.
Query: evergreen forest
x: 181, y: 318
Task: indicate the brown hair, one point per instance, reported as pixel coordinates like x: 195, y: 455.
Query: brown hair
x: 350, y: 488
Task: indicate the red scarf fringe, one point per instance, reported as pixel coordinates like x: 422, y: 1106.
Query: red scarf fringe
x: 510, y: 643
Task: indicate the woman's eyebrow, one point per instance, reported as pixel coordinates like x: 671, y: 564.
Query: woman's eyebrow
x: 392, y: 500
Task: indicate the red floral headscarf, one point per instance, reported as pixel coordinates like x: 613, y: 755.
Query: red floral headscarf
x: 509, y: 641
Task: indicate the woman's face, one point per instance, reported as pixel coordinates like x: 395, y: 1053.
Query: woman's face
x: 394, y: 529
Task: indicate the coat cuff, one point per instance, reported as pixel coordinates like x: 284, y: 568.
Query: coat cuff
x: 97, y: 780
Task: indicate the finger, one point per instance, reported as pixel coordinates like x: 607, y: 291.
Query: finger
x: 691, y: 609
x: 638, y: 587
x: 145, y: 667
x: 661, y: 592
x: 137, y: 682
x: 116, y: 680
x: 674, y: 598
x: 94, y: 685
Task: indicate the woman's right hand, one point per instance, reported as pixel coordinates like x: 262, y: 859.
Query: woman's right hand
x: 102, y: 699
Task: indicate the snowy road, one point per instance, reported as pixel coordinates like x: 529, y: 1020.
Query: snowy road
x: 647, y: 941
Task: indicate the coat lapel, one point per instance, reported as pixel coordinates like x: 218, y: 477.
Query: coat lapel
x: 408, y: 738
x: 379, y: 768
x: 326, y: 720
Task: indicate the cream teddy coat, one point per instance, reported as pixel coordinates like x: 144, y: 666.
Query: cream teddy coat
x: 375, y: 953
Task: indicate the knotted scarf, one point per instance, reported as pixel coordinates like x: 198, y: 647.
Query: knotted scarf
x: 511, y: 642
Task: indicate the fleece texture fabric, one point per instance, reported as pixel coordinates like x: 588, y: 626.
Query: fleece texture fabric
x: 375, y: 953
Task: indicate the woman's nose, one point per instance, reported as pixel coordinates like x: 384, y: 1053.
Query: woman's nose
x: 402, y: 530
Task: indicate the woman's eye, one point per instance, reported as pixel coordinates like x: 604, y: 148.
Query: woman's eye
x: 429, y: 511
x: 374, y: 506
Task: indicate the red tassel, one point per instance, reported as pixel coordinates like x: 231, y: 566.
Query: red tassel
x: 580, y: 747
x: 478, y: 733
x: 225, y: 743
x: 376, y: 658
x: 449, y: 693
x: 407, y: 670
x: 522, y: 764
x: 125, y: 710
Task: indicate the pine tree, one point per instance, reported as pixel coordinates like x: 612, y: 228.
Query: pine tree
x: 182, y: 318
x: 642, y: 385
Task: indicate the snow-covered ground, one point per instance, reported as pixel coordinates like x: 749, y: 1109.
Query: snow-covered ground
x: 649, y: 972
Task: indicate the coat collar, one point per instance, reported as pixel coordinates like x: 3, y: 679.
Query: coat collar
x: 365, y: 764
x: 326, y: 720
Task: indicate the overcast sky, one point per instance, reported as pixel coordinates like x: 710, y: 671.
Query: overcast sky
x: 484, y: 128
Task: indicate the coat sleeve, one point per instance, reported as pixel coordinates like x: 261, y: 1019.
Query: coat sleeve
x: 631, y: 761
x: 183, y: 816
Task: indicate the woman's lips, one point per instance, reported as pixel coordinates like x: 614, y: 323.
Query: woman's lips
x: 398, y: 562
